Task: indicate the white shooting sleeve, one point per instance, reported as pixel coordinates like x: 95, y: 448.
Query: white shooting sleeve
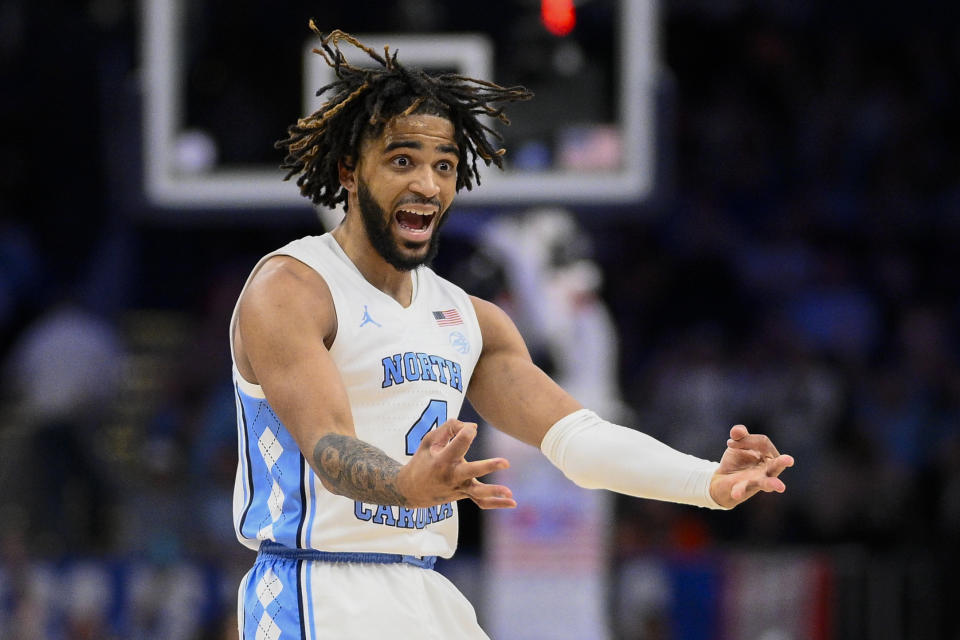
x: 596, y: 454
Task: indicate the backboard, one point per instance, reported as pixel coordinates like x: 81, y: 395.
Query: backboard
x: 587, y: 137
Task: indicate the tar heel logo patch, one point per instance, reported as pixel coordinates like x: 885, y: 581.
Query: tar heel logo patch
x: 368, y: 319
x: 459, y: 342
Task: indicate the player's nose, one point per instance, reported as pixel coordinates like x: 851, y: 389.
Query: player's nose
x: 424, y: 183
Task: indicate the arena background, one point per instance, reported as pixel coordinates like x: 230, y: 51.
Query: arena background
x: 781, y: 253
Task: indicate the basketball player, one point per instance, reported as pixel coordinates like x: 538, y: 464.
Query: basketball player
x: 352, y: 360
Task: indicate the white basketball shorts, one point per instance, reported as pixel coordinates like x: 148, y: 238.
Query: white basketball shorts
x: 288, y: 594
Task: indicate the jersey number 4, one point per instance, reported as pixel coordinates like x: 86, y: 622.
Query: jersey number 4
x: 433, y: 416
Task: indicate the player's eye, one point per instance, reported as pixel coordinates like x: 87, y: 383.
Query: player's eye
x: 401, y: 161
x: 445, y: 166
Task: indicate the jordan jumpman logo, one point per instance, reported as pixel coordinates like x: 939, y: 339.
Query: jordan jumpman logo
x: 367, y: 319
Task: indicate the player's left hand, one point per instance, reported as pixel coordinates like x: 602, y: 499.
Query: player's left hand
x: 749, y: 465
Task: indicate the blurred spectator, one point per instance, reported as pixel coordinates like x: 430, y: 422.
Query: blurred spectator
x: 63, y: 372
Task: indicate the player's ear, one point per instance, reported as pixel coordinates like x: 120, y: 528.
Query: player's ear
x: 346, y: 171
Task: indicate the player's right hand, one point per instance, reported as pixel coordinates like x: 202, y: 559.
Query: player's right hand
x: 439, y: 472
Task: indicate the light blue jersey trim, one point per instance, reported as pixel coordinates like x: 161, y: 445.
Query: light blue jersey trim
x: 311, y: 496
x: 305, y: 568
x: 273, y: 509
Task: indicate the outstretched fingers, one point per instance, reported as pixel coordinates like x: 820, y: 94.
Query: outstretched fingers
x: 750, y: 464
x: 742, y: 439
x: 450, y: 441
x: 490, y: 496
x: 759, y: 480
x: 465, y: 474
x: 455, y: 450
x: 449, y: 444
x: 466, y: 471
x: 776, y: 466
x: 442, y: 435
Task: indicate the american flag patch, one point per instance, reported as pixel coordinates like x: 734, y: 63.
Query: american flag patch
x: 447, y: 318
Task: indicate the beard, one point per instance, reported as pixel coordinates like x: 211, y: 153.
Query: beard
x: 378, y: 224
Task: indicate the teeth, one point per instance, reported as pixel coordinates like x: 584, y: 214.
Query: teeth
x: 420, y: 225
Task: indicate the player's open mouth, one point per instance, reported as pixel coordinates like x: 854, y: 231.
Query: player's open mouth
x: 415, y: 221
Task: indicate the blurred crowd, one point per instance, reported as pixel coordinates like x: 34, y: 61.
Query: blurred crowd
x: 796, y: 272
x: 801, y: 279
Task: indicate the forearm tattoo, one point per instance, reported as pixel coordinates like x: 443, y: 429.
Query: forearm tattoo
x: 357, y: 470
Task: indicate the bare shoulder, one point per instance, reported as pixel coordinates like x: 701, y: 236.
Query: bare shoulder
x: 279, y: 273
x: 487, y: 312
x: 285, y: 282
x: 496, y: 327
x: 285, y: 292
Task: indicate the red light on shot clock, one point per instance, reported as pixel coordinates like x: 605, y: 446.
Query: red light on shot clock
x: 558, y: 16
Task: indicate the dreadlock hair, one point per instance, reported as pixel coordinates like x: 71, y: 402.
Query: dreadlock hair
x: 365, y: 99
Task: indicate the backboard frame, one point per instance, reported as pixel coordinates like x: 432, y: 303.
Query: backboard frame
x: 257, y: 187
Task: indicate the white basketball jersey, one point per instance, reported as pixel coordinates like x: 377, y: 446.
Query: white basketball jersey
x: 406, y: 371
